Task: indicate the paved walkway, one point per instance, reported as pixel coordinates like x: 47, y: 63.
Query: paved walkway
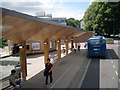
x: 4, y: 51
x: 65, y: 71
x: 9, y: 63
x: 35, y: 63
x: 76, y: 70
x: 38, y: 60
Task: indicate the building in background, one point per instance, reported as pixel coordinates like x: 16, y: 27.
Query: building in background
x: 82, y: 24
x: 56, y: 20
x: 49, y: 18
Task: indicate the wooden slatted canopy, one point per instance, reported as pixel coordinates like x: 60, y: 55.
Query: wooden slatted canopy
x: 85, y: 36
x: 19, y: 27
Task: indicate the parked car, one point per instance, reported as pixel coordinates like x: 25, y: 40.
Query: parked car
x: 115, y: 35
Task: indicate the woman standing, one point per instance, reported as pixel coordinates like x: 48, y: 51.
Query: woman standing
x: 48, y: 69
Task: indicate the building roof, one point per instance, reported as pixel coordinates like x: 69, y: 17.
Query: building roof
x: 19, y: 27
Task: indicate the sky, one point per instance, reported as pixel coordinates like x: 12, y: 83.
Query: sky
x: 58, y: 8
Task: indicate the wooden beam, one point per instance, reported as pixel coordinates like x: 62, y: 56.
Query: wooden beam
x: 72, y: 43
x: 66, y: 46
x: 59, y: 48
x: 46, y: 51
x: 39, y: 30
x: 23, y: 59
x: 54, y: 44
x: 76, y: 43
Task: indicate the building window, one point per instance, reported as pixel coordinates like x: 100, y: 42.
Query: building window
x: 27, y: 46
x: 36, y: 46
x: 55, y: 44
x: 50, y: 44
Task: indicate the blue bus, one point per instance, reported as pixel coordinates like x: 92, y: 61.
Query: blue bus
x: 97, y: 46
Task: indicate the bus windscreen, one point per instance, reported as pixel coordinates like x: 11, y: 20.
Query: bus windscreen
x: 95, y: 41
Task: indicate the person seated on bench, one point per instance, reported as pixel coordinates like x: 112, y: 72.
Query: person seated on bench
x: 14, y: 80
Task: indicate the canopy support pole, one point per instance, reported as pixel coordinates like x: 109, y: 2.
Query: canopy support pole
x: 66, y: 46
x: 46, y: 51
x: 76, y: 43
x: 23, y: 60
x: 72, y: 43
x: 59, y: 49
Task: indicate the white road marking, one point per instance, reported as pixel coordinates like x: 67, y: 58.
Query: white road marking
x: 108, y: 79
x: 116, y: 73
x: 113, y: 66
x: 111, y: 61
x: 119, y: 80
x: 113, y: 77
x: 79, y: 86
x: 109, y: 55
x: 117, y: 45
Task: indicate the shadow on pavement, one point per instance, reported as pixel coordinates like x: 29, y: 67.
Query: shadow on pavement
x: 36, y: 55
x: 6, y: 63
x: 37, y: 81
x: 110, y: 54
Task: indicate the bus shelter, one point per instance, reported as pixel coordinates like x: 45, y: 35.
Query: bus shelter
x: 19, y: 28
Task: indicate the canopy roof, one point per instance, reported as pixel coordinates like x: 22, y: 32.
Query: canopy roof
x: 84, y: 37
x: 19, y: 27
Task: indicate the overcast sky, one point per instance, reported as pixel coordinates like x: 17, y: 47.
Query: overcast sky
x: 58, y: 8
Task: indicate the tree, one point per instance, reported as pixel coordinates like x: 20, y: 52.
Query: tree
x: 103, y: 17
x: 3, y: 43
x: 74, y: 23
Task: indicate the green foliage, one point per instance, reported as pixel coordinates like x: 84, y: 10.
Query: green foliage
x: 3, y: 43
x: 74, y: 23
x: 103, y: 17
x: 109, y: 39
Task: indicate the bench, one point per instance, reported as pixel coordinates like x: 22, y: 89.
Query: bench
x: 6, y: 85
x: 8, y: 88
x: 5, y: 82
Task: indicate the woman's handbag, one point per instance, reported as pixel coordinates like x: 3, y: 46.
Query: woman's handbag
x: 45, y: 72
